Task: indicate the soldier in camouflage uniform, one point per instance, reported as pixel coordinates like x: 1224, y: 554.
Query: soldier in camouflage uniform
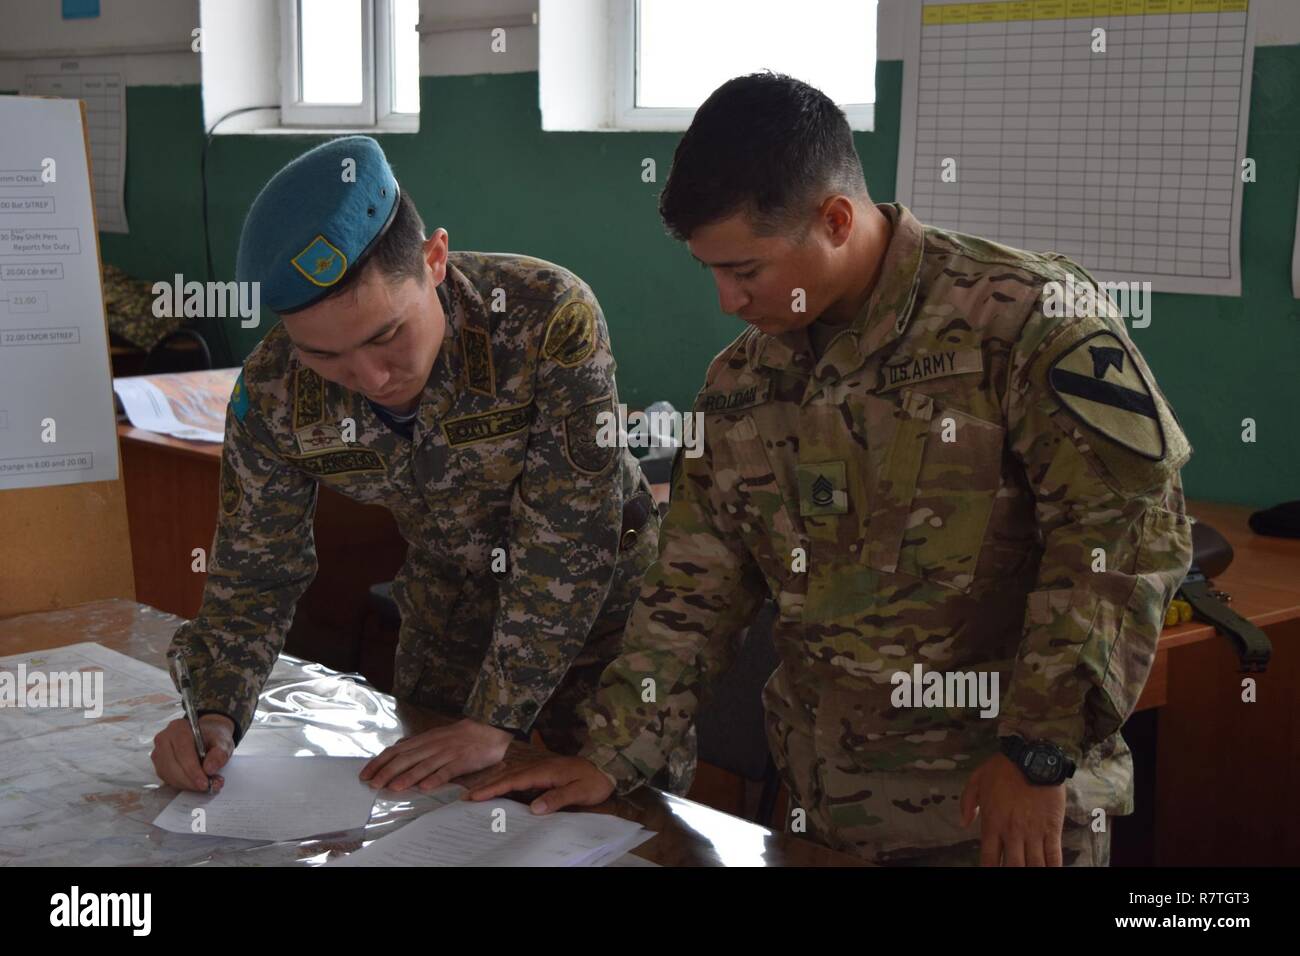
x: 527, y: 539
x: 949, y: 477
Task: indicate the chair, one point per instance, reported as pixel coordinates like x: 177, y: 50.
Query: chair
x: 730, y: 725
x: 184, y: 350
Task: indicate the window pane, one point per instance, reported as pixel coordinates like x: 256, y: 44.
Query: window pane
x: 406, y: 56
x: 830, y: 44
x: 331, y: 50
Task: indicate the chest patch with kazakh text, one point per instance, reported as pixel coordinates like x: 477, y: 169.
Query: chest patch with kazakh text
x: 340, y: 462
x: 487, y: 425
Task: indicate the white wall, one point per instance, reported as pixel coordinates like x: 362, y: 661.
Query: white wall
x: 1277, y: 22
x: 241, y: 40
x: 456, y: 36
x: 455, y: 40
x: 154, y: 35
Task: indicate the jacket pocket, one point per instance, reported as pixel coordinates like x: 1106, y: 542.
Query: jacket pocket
x: 755, y: 504
x: 939, y: 470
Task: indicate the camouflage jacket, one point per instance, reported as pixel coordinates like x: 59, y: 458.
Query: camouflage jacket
x: 952, y: 500
x: 503, y: 456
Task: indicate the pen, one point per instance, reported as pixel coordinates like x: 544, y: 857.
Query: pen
x: 182, y: 674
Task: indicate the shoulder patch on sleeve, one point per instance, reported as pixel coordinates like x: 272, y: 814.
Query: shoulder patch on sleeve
x: 239, y: 397
x: 232, y: 491
x: 1100, y: 383
x: 570, y: 334
x: 590, y: 443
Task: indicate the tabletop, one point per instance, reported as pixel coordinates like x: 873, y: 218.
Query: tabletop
x: 309, y: 706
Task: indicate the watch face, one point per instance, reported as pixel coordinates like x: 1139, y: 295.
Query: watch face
x: 1044, y: 765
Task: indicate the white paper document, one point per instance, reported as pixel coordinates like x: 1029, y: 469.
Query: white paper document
x: 60, y: 688
x: 502, y: 833
x: 147, y: 406
x: 277, y: 798
x: 56, y: 406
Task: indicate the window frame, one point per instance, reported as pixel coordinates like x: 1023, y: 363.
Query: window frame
x: 378, y: 92
x: 624, y: 64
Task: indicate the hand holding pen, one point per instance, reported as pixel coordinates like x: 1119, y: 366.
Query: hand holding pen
x: 189, y: 751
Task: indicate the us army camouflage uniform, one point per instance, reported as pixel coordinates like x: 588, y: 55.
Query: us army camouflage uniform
x: 503, y: 456
x: 974, y: 554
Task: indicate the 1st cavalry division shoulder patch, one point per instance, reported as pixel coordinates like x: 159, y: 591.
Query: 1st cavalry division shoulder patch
x: 1100, y: 383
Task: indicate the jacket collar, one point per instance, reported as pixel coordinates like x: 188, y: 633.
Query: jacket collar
x: 878, y: 323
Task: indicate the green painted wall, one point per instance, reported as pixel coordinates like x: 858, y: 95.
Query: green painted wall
x: 482, y: 168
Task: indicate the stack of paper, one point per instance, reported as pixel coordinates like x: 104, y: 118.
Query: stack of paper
x: 189, y: 405
x: 502, y: 833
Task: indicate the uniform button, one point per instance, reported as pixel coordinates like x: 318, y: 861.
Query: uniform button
x: 854, y: 547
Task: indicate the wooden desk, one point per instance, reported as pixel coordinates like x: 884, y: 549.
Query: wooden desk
x: 687, y: 833
x: 1264, y: 581
x: 1226, y: 774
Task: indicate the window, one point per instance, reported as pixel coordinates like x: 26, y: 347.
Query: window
x: 668, y: 55
x: 350, y: 63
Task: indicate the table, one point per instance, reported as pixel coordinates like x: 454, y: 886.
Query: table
x: 1201, y: 742
x: 688, y: 833
x: 1223, y: 782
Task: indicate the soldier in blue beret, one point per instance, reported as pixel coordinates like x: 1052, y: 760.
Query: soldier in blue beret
x: 460, y: 391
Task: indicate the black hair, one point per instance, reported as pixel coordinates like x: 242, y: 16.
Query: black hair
x: 764, y: 143
x: 398, y: 254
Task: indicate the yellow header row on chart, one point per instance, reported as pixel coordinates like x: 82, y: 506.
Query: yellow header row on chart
x: 943, y: 14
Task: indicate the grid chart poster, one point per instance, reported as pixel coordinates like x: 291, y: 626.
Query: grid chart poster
x: 105, y: 97
x: 1112, y: 131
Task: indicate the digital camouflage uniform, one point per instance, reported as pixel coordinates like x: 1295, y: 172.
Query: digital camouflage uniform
x: 128, y: 303
x: 971, y: 554
x: 503, y: 456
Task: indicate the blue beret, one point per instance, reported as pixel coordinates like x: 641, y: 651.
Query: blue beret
x: 313, y: 223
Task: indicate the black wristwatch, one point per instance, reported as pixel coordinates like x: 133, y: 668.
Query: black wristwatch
x: 1043, y: 763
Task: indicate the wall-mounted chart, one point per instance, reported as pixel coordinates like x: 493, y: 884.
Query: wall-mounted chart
x: 1112, y: 131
